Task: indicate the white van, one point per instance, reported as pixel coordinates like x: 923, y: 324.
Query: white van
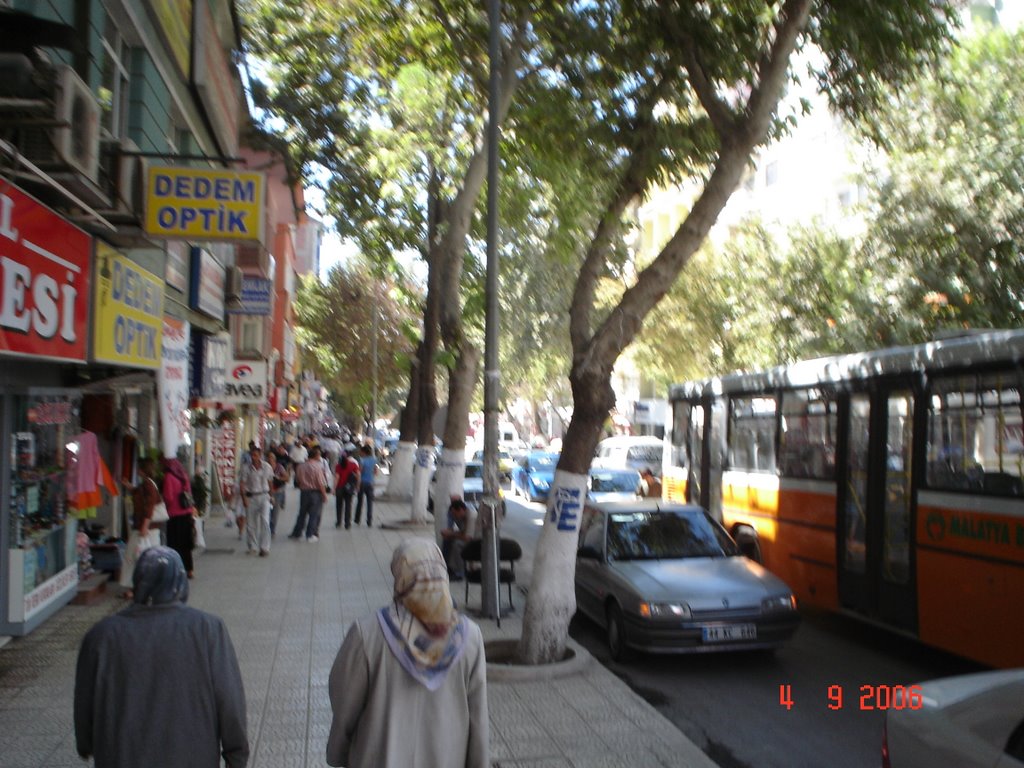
x: 630, y: 452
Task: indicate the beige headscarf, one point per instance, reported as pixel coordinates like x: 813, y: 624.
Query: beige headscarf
x: 422, y: 627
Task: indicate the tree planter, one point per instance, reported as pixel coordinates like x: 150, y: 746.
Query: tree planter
x: 502, y: 666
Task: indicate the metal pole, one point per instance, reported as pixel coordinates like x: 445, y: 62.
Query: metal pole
x: 373, y: 405
x: 490, y: 597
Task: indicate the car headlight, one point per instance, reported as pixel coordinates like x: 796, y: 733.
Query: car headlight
x: 778, y: 603
x: 665, y: 610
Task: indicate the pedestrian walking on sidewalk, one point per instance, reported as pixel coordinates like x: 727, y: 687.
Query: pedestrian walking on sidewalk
x: 346, y: 481
x: 180, y: 528
x: 145, y: 533
x: 158, y: 684
x: 278, y: 486
x: 367, y: 470
x: 409, y: 685
x: 313, y: 485
x: 254, y: 484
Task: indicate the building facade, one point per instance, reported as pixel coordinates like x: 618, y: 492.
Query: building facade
x: 138, y: 253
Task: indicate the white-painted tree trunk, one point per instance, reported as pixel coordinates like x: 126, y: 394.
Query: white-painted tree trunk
x: 400, y: 475
x: 451, y: 473
x: 552, y: 600
x: 422, y: 472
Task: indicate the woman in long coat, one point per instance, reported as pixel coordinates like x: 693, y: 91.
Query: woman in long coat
x: 180, y: 525
x: 158, y: 684
x: 409, y: 685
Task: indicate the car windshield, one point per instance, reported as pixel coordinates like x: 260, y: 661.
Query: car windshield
x: 474, y: 470
x: 659, y: 534
x: 614, y: 482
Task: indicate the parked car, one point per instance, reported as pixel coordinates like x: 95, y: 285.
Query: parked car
x: 968, y: 721
x: 667, y: 578
x: 505, y: 461
x: 533, y: 476
x: 605, y: 484
x: 630, y: 451
x: 472, y: 485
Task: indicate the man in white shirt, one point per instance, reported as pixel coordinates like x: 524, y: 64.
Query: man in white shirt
x: 254, y: 483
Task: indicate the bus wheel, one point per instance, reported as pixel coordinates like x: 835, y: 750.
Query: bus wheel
x: 746, y: 538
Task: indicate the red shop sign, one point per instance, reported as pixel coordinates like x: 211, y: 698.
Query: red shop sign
x: 44, y: 280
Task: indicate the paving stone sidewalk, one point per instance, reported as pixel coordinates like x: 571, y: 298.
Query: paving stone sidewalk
x: 287, y: 615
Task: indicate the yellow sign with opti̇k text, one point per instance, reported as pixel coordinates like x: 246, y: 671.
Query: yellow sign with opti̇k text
x: 128, y: 312
x: 204, y: 204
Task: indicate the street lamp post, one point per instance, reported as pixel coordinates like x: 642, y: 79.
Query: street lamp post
x: 490, y: 598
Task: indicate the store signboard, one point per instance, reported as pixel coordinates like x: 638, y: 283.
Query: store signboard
x: 246, y: 382
x: 174, y: 19
x: 44, y: 281
x: 176, y: 271
x: 204, y: 204
x: 216, y: 354
x: 128, y: 312
x: 172, y: 381
x: 224, y: 454
x: 257, y: 297
x: 207, y: 290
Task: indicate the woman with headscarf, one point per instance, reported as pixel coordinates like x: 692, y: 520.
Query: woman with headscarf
x: 145, y: 533
x: 158, y: 684
x: 409, y: 686
x: 180, y: 525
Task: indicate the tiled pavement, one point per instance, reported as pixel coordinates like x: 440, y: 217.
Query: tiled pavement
x: 287, y: 615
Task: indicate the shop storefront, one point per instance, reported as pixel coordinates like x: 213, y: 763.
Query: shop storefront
x: 45, y: 274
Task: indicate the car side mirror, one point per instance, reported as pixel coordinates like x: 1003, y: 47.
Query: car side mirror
x: 588, y: 552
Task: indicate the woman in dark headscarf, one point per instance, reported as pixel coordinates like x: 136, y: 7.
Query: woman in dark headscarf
x: 180, y: 526
x: 158, y: 684
x: 409, y: 685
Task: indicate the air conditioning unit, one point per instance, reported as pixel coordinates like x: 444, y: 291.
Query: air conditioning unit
x: 126, y: 174
x: 77, y: 139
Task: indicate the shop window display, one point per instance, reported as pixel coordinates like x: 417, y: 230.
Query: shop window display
x: 41, y: 531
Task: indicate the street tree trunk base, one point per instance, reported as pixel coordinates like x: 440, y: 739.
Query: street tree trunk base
x: 504, y: 665
x: 422, y: 472
x: 552, y: 599
x: 400, y: 476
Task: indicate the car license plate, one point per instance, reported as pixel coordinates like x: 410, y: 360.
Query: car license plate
x: 723, y: 633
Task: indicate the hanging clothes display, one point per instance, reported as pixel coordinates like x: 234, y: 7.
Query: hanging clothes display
x: 86, y: 474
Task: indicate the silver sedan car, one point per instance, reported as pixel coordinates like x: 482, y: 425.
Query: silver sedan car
x: 969, y: 721
x: 667, y: 578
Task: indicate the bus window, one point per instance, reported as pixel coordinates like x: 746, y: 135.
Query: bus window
x: 807, y: 443
x: 855, y: 538
x: 752, y: 434
x: 975, y: 435
x: 896, y: 531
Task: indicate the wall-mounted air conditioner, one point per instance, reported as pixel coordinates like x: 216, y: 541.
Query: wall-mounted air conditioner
x: 124, y: 171
x: 77, y: 138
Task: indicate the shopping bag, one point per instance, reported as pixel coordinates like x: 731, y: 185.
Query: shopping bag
x: 199, y: 539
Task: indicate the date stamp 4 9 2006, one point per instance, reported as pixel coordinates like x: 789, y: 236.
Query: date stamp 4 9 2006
x: 871, y: 697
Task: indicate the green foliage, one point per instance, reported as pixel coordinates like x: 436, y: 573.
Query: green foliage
x: 336, y: 331
x: 949, y: 227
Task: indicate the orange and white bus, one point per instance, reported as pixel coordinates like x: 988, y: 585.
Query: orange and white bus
x: 888, y: 485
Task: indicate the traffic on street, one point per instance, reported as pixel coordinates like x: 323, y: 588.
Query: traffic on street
x: 819, y: 694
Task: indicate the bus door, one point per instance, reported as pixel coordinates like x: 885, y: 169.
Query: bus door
x: 876, y: 507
